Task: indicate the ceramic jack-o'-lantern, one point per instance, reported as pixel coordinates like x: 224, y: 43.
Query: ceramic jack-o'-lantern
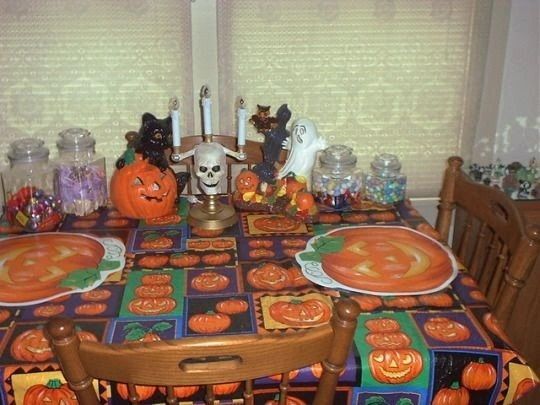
x: 141, y: 190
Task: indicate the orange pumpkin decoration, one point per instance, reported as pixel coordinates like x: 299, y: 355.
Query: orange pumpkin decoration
x: 210, y: 281
x: 395, y: 366
x: 402, y: 302
x: 225, y: 389
x: 492, y: 324
x: 477, y: 295
x: 52, y: 393
x: 523, y: 387
x: 441, y: 300
x: 31, y: 346
x: 153, y: 261
x: 181, y: 391
x: 478, y: 375
x: 184, y: 259
x: 371, y: 255
x: 4, y: 314
x: 169, y: 219
x: 117, y: 222
x: 368, y: 303
x: 260, y: 243
x: 355, y: 217
x: 247, y: 181
x: 292, y: 375
x: 223, y: 243
x: 291, y: 252
x: 261, y: 253
x: 199, y: 244
x: 216, y: 259
x: 158, y: 278
x: 276, y: 223
x: 293, y: 186
x: 232, y: 306
x: 446, y: 330
x: 385, y: 216
x: 91, y: 308
x: 49, y: 310
x: 83, y: 224
x: 317, y: 370
x: 388, y: 340
x: 382, y: 325
x: 329, y: 218
x: 304, y: 200
x: 154, y: 290
x: 300, y: 313
x: 206, y: 233
x: 35, y: 265
x: 141, y: 190
x: 209, y: 323
x: 468, y: 281
x: 99, y: 294
x: 143, y: 391
x: 297, y: 278
x: 269, y: 276
x: 293, y: 243
x: 454, y: 395
x: 151, y: 306
x: 161, y: 242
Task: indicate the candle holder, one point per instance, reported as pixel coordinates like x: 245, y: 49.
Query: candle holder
x: 210, y: 164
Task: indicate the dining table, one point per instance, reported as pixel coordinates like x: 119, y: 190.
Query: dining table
x: 419, y: 340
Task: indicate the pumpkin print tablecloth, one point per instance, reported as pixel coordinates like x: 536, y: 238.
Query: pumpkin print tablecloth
x: 436, y: 348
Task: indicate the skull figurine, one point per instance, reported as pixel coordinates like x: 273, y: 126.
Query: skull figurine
x: 210, y: 163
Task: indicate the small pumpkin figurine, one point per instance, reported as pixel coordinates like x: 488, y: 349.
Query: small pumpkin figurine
x: 141, y: 190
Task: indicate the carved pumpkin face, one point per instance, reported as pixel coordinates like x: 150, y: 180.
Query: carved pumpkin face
x: 269, y: 276
x: 388, y: 340
x: 247, y: 181
x: 210, y: 281
x: 300, y: 313
x: 446, y: 330
x: 152, y: 306
x: 141, y: 190
x: 52, y: 393
x: 395, y: 366
x: 31, y: 346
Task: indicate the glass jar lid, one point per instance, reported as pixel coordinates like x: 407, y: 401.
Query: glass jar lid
x: 75, y: 139
x: 338, y: 158
x: 27, y: 150
x: 386, y: 164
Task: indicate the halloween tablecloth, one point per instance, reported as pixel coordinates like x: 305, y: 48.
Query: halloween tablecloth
x: 178, y: 282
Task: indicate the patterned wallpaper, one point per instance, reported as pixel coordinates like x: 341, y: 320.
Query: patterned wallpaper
x: 93, y: 64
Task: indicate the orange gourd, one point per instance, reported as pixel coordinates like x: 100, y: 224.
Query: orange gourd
x: 53, y: 393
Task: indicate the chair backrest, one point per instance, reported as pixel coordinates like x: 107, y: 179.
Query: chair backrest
x: 206, y: 360
x: 253, y: 150
x: 489, y: 237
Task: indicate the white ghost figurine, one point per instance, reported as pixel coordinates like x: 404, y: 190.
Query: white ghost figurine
x: 305, y: 143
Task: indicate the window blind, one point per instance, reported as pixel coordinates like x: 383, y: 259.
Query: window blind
x: 92, y: 64
x: 376, y: 75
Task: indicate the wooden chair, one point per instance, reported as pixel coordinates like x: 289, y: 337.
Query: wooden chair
x: 489, y: 237
x: 253, y: 151
x: 206, y: 360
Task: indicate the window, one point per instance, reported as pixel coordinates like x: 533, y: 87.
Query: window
x: 398, y: 76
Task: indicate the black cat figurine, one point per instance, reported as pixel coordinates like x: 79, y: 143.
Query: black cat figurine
x: 154, y: 138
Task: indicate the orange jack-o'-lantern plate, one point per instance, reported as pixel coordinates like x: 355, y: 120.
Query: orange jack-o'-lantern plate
x: 39, y: 267
x: 382, y: 260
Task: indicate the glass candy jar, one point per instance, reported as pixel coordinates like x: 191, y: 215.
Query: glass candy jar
x: 337, y: 182
x: 80, y: 176
x: 28, y: 186
x: 385, y: 184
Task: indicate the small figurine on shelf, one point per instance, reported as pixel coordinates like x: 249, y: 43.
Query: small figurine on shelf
x: 273, y: 141
x: 305, y: 144
x: 263, y: 121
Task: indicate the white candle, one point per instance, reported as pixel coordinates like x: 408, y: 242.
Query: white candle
x: 207, y: 110
x: 241, y: 114
x: 175, y: 118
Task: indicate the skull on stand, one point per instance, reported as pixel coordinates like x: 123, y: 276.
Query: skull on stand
x: 210, y: 165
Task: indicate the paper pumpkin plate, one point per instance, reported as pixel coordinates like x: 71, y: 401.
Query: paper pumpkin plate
x: 381, y: 260
x: 39, y: 267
